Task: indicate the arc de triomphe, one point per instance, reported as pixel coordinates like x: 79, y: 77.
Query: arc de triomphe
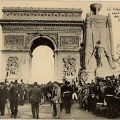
x: 24, y: 29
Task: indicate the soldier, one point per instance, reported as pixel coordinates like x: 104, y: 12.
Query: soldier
x: 14, y: 93
x: 109, y: 93
x: 67, y: 96
x: 35, y: 95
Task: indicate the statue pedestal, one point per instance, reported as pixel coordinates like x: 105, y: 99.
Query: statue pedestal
x: 100, y: 72
x: 90, y: 74
x: 12, y: 77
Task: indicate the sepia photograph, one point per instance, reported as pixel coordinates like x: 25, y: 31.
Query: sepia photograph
x: 59, y: 59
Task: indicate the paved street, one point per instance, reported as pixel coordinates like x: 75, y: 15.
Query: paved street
x: 46, y: 113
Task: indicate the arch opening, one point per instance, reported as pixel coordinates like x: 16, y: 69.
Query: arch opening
x: 42, y: 41
x: 42, y: 70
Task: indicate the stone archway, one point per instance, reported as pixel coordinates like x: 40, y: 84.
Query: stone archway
x: 61, y: 29
x: 42, y: 41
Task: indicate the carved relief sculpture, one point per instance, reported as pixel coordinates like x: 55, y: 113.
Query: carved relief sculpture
x: 30, y: 36
x: 69, y: 41
x: 40, y: 26
x: 83, y: 75
x: 69, y: 66
x: 12, y: 65
x: 14, y: 40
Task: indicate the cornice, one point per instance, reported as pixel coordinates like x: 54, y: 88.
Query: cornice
x: 29, y: 9
x: 42, y: 14
x: 3, y: 21
x: 41, y: 23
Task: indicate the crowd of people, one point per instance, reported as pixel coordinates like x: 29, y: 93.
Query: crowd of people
x: 101, y: 96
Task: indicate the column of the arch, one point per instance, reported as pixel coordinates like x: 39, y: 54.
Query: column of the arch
x: 55, y: 65
x: 25, y: 67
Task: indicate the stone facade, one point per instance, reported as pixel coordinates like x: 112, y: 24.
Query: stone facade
x: 60, y: 29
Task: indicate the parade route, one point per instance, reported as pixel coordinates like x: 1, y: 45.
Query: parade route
x: 24, y: 112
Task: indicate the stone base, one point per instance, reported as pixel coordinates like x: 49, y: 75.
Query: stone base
x: 89, y: 75
x: 103, y: 72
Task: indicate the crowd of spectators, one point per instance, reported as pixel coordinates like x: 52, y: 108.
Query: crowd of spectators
x: 101, y: 96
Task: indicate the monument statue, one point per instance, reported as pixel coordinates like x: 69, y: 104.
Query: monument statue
x: 82, y: 56
x: 98, y: 38
x: 100, y: 53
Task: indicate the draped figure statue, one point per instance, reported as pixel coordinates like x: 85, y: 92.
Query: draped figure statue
x: 98, y: 40
x: 100, y: 53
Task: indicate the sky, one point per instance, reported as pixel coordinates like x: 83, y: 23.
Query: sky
x: 42, y: 65
x: 107, y: 7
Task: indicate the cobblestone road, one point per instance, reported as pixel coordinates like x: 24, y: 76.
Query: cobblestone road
x: 24, y: 112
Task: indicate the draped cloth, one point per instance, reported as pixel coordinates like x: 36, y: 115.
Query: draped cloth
x: 98, y: 28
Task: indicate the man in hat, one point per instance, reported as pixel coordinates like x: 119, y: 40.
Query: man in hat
x: 35, y: 95
x: 67, y: 96
x: 14, y: 93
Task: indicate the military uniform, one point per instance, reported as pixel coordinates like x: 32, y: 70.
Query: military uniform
x: 109, y: 94
x: 67, y: 97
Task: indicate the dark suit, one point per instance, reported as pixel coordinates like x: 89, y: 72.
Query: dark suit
x: 67, y: 97
x: 35, y: 95
x: 13, y: 98
x: 3, y: 99
x: 109, y: 93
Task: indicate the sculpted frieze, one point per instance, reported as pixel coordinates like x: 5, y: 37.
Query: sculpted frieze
x: 17, y: 40
x: 37, y: 14
x: 31, y: 36
x: 53, y: 36
x: 40, y: 27
x: 69, y: 41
